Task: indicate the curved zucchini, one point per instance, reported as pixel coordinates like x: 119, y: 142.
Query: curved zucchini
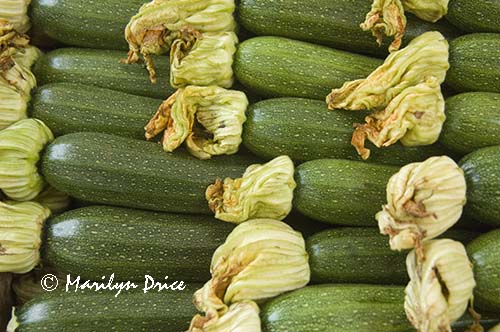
x: 474, y: 16
x: 308, y: 131
x: 108, y: 169
x: 471, y: 122
x: 98, y: 241
x: 69, y: 108
x: 102, y: 68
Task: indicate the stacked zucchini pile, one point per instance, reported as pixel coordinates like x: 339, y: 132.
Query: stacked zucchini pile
x: 294, y: 136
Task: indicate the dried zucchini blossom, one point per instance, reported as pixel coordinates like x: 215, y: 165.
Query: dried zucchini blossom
x: 209, y: 119
x: 20, y: 235
x: 160, y: 22
x: 423, y: 201
x: 20, y: 146
x: 260, y: 259
x: 205, y: 60
x: 55, y: 200
x: 241, y: 317
x: 264, y: 191
x: 427, y: 10
x: 440, y: 287
x: 16, y: 13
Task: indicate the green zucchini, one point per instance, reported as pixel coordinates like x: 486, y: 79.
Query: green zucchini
x: 485, y: 254
x: 98, y: 241
x: 474, y: 63
x: 68, y: 108
x: 347, y: 308
x: 279, y: 67
x: 307, y: 130
x: 108, y: 169
x: 482, y: 173
x: 361, y: 255
x: 341, y: 192
x: 474, y: 15
x: 93, y: 25
x: 326, y: 22
x: 471, y: 122
x: 89, y: 311
x: 102, y: 68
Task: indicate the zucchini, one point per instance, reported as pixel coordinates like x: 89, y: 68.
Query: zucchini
x: 279, y: 67
x: 481, y: 169
x: 98, y: 240
x: 326, y: 22
x: 474, y: 64
x: 108, y: 169
x: 308, y: 131
x: 474, y: 16
x: 472, y: 122
x: 89, y: 311
x: 68, y: 108
x: 341, y: 192
x: 100, y: 25
x: 347, y: 308
x: 361, y: 255
x: 484, y: 253
x: 102, y: 68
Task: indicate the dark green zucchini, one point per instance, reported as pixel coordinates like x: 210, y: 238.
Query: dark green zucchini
x: 68, y: 108
x: 326, y: 22
x: 89, y: 311
x: 304, y: 129
x: 482, y: 173
x: 472, y: 122
x: 475, y: 63
x: 474, y: 15
x: 346, y: 308
x: 102, y: 68
x: 108, y: 169
x: 94, y: 25
x: 279, y: 67
x: 98, y: 241
x: 361, y: 255
x: 485, y: 254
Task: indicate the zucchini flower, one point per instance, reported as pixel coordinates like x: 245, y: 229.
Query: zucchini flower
x: 20, y: 235
x: 55, y: 200
x: 13, y: 323
x: 20, y: 146
x: 240, y: 317
x: 415, y: 116
x: 427, y: 10
x: 423, y: 201
x: 209, y: 119
x: 386, y: 17
x: 440, y: 287
x: 28, y: 286
x: 496, y: 328
x: 206, y: 60
x: 260, y: 259
x: 15, y: 12
x: 160, y: 22
x: 264, y: 191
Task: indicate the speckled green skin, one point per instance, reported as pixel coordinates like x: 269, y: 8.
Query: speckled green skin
x: 346, y: 308
x: 94, y: 24
x: 472, y: 122
x: 313, y: 132
x: 131, y: 311
x: 475, y: 63
x: 474, y: 15
x: 100, y: 240
x: 69, y: 108
x: 485, y: 254
x: 332, y: 23
x: 101, y: 168
x: 281, y: 67
x: 102, y: 68
x: 361, y: 255
x: 482, y: 173
x: 341, y: 192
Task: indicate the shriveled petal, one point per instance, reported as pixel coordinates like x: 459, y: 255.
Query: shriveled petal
x: 427, y: 10
x: 16, y: 13
x: 423, y: 201
x: 240, y: 317
x: 264, y: 191
x: 440, y: 286
x: 55, y: 200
